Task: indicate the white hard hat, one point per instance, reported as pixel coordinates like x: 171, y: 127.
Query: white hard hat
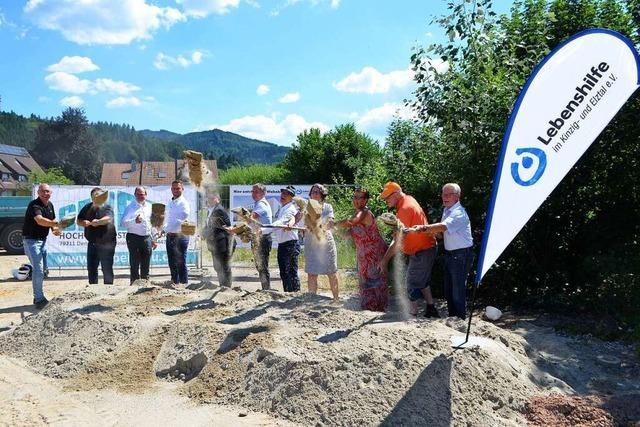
x: 20, y: 274
x: 28, y: 268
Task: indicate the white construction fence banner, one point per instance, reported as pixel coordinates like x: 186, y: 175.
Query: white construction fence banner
x: 569, y: 99
x: 240, y: 196
x: 70, y: 249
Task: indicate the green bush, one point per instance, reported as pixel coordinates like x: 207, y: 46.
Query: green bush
x: 247, y: 175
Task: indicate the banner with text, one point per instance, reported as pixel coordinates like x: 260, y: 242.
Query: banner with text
x: 567, y: 101
x: 69, y: 250
x: 240, y: 196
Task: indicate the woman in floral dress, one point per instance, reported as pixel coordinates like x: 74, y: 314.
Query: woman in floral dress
x: 370, y: 248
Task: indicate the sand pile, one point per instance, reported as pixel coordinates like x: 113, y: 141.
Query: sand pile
x: 296, y: 357
x: 60, y: 344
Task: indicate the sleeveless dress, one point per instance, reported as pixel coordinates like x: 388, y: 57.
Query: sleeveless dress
x: 370, y: 249
x: 320, y: 254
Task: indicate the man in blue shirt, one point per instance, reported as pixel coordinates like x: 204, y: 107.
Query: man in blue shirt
x: 458, y: 244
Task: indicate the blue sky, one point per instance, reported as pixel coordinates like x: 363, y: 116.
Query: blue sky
x: 265, y: 69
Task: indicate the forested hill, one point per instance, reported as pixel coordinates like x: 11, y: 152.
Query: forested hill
x: 217, y: 143
x: 122, y: 143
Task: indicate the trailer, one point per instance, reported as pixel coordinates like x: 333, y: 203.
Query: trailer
x: 12, y: 209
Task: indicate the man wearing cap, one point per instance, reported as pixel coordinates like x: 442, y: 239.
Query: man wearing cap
x: 262, y: 214
x: 420, y: 248
x: 177, y: 243
x: 219, y: 240
x: 137, y: 221
x: 288, y: 243
x: 458, y: 244
x: 97, y: 219
x: 39, y: 217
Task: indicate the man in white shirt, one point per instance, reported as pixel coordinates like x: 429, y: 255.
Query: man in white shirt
x: 262, y: 213
x: 458, y: 244
x: 288, y: 243
x: 177, y: 243
x: 137, y: 221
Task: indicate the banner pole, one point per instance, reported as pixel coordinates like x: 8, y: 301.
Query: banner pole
x: 473, y: 306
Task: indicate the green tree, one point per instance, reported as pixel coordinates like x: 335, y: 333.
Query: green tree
x: 50, y: 176
x: 332, y: 157
x: 580, y: 248
x: 413, y: 158
x: 68, y: 142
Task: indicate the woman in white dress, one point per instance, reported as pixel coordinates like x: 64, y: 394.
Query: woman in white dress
x: 320, y: 253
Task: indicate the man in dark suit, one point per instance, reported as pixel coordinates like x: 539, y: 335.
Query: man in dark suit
x: 219, y: 241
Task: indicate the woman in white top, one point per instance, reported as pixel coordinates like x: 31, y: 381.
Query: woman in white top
x: 320, y: 253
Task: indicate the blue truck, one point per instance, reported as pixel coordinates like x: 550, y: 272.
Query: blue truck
x: 12, y: 209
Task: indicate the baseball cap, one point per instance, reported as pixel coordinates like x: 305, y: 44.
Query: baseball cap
x: 289, y: 189
x: 390, y: 188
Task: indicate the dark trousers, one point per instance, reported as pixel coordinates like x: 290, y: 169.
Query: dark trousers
x: 177, y: 245
x: 222, y: 265
x: 261, y: 259
x: 456, y: 268
x: 288, y: 253
x: 100, y: 254
x: 139, y: 256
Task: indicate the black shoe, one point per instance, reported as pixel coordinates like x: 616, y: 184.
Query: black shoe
x: 431, y: 312
x: 41, y: 304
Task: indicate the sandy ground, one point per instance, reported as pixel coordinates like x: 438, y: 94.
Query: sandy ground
x: 204, y: 355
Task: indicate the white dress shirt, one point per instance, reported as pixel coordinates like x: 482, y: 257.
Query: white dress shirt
x: 283, y: 216
x: 262, y: 209
x: 177, y: 211
x: 131, y: 213
x: 458, y: 233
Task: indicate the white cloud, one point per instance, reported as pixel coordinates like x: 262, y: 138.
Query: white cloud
x: 262, y: 90
x: 290, y: 98
x: 117, y: 87
x: 122, y: 101
x: 65, y: 82
x: 334, y: 4
x: 102, y: 21
x: 72, y: 101
x: 376, y: 120
x: 44, y: 99
x: 202, y: 8
x: 73, y: 65
x: 196, y: 57
x: 164, y: 62
x: 369, y: 80
x: 271, y: 129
